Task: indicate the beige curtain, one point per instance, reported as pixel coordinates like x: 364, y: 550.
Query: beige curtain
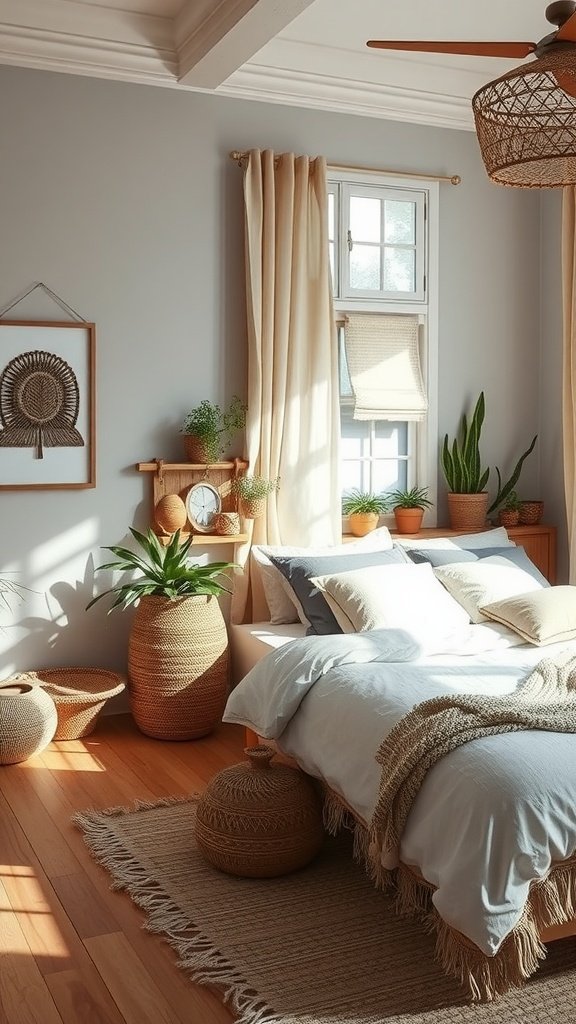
x: 569, y: 375
x: 292, y: 428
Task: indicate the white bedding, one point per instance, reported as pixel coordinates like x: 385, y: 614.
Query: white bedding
x: 491, y: 817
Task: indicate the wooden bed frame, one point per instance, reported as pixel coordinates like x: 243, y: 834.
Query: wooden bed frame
x: 551, y: 934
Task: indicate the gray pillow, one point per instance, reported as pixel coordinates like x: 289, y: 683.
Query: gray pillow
x: 518, y: 557
x: 443, y: 556
x: 299, y: 571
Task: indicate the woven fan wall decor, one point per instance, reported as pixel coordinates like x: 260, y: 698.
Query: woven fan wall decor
x: 39, y: 403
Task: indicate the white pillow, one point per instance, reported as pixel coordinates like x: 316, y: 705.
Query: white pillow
x: 541, y: 617
x: 497, y: 538
x: 474, y: 584
x: 276, y: 590
x: 405, y: 597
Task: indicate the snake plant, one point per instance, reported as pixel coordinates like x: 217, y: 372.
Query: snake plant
x: 461, y: 460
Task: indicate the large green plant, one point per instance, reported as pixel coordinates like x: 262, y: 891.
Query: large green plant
x: 461, y: 460
x: 163, y: 571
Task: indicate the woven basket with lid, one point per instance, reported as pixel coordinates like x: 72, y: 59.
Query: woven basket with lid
x: 258, y: 819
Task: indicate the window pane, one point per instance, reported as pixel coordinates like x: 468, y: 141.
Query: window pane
x: 355, y: 435
x: 399, y: 270
x: 331, y: 215
x: 399, y: 222
x: 391, y: 440
x: 365, y: 267
x: 351, y: 473
x: 365, y: 219
x: 389, y: 476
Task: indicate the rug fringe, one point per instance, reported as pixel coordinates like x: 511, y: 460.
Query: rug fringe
x: 196, y: 953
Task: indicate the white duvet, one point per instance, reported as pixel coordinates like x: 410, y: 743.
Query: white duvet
x: 490, y: 818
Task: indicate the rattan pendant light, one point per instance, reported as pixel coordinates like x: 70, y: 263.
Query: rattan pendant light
x: 526, y: 122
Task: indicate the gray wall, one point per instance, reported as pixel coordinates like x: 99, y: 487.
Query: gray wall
x: 123, y: 200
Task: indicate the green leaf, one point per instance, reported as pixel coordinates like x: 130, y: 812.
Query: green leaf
x: 504, y: 491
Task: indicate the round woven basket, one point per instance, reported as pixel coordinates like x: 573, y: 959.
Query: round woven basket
x: 531, y: 512
x: 79, y: 695
x: 258, y: 819
x: 178, y: 666
x: 227, y: 524
x: 252, y: 508
x: 27, y: 720
x: 170, y: 513
x: 509, y: 517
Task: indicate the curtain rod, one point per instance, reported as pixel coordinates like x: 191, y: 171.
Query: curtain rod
x: 240, y: 157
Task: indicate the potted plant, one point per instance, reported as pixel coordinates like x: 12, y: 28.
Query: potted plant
x: 509, y: 514
x: 252, y: 493
x: 364, y: 509
x: 409, y: 507
x: 507, y: 490
x: 461, y: 463
x: 207, y: 430
x: 178, y: 645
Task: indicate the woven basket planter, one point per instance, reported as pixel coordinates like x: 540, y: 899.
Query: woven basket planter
x: 27, y: 719
x: 199, y: 451
x: 531, y: 512
x: 227, y: 524
x: 509, y: 517
x: 258, y: 819
x: 79, y: 695
x: 467, y: 511
x: 252, y: 508
x: 178, y: 666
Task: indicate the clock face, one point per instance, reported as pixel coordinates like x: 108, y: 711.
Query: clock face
x: 203, y: 502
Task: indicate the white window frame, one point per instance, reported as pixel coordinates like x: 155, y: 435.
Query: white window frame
x: 423, y: 438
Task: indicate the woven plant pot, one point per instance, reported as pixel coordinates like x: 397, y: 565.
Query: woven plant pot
x: 509, y: 517
x: 531, y: 512
x: 258, y: 819
x: 199, y: 450
x: 170, y: 513
x: 27, y: 720
x: 252, y: 508
x: 178, y: 666
x: 79, y: 695
x: 227, y: 524
x: 467, y: 511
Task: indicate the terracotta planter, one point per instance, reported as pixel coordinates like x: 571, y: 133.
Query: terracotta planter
x: 362, y: 523
x: 467, y: 511
x: 408, y: 520
x: 178, y: 666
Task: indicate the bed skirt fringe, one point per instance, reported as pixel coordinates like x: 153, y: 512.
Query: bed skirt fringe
x: 552, y: 901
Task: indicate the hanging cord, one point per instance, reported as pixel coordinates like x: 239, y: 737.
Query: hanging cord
x: 56, y: 298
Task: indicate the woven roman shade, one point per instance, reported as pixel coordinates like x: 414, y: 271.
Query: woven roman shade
x: 384, y: 367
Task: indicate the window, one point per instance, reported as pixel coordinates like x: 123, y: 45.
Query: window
x: 384, y: 259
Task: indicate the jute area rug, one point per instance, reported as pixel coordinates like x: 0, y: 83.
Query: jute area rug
x: 320, y: 946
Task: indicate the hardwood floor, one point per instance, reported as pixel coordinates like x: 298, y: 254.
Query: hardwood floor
x: 71, y: 950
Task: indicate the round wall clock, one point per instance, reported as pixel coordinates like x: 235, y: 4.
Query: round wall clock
x: 203, y: 502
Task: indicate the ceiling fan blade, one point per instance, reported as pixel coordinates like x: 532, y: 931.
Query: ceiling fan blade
x: 567, y: 32
x: 492, y: 49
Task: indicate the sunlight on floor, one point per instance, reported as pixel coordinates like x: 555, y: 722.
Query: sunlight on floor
x: 34, y: 931
x: 60, y: 758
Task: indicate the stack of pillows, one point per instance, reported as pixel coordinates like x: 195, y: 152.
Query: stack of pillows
x: 435, y: 587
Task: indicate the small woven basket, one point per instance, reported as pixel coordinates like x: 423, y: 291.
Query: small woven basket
x: 227, y: 524
x: 79, y: 695
x: 259, y: 820
x: 27, y: 719
x: 509, y: 517
x: 252, y: 508
x: 199, y: 451
x: 531, y: 512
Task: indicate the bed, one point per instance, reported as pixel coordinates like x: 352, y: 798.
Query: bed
x: 493, y: 823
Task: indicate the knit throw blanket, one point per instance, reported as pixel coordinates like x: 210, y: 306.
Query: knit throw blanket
x: 545, y: 701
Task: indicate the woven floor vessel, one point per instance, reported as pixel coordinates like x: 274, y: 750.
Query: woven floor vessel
x: 27, y: 720
x: 259, y: 819
x: 320, y: 946
x: 178, y: 666
x: 79, y: 695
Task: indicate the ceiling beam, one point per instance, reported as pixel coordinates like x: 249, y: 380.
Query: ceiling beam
x: 216, y: 37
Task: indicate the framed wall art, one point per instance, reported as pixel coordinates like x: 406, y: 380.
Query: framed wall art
x: 47, y: 405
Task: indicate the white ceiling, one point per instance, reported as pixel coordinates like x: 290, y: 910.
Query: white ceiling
x: 305, y: 52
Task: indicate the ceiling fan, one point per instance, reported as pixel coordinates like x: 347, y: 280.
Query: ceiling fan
x: 526, y: 119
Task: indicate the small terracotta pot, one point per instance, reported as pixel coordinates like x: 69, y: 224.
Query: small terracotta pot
x: 362, y: 523
x: 408, y: 520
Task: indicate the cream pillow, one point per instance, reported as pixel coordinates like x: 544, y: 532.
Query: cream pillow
x: 405, y: 597
x: 476, y: 584
x: 541, y: 617
x: 277, y: 594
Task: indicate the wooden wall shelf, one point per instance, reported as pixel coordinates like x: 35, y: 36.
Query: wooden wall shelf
x: 178, y: 478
